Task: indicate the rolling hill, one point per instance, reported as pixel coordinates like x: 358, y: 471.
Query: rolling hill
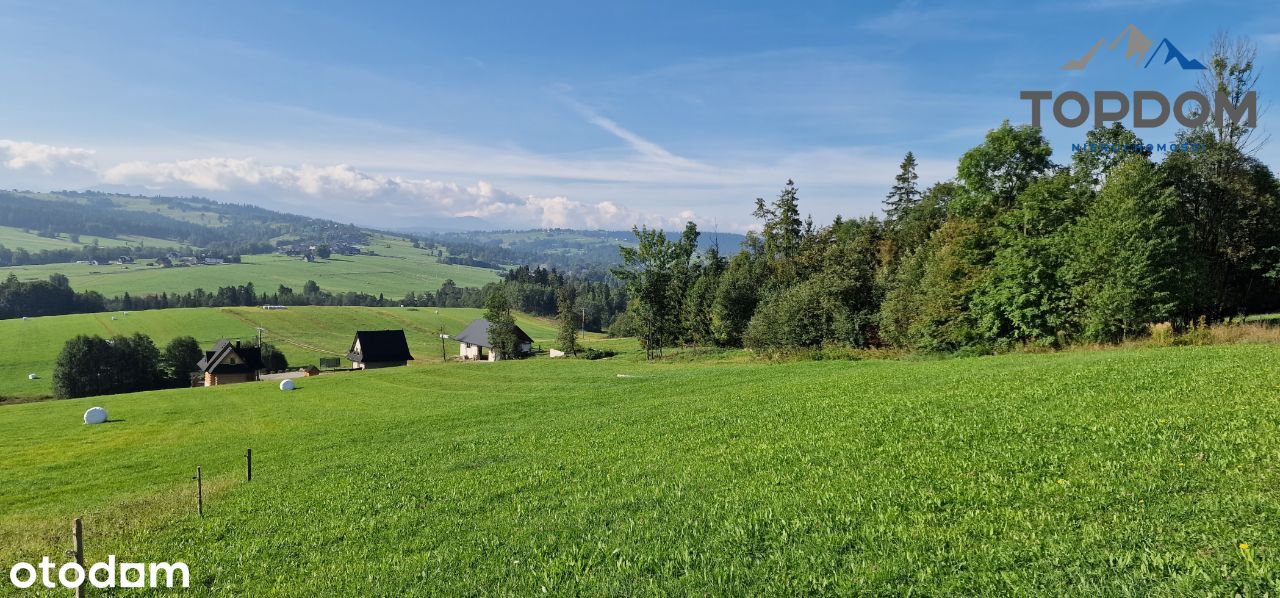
x: 62, y: 232
x: 1136, y: 472
x: 396, y: 269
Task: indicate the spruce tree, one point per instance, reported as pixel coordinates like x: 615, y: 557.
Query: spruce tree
x: 905, y: 193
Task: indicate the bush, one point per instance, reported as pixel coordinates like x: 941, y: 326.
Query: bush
x: 594, y: 354
x: 1161, y: 334
x: 1198, y: 334
x: 272, y: 359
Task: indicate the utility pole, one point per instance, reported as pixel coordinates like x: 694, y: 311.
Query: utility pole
x: 260, y: 331
x: 443, y: 356
x: 583, y: 332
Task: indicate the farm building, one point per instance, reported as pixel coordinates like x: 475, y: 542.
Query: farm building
x: 474, y: 339
x: 379, y: 349
x: 230, y: 363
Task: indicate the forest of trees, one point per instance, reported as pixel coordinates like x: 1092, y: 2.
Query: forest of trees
x: 1016, y: 250
x: 595, y: 296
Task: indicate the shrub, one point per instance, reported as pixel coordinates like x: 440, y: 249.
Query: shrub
x: 1161, y: 334
x: 272, y: 359
x: 594, y: 354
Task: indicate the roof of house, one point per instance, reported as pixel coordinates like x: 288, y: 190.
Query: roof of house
x: 379, y: 345
x: 214, y: 362
x: 477, y: 333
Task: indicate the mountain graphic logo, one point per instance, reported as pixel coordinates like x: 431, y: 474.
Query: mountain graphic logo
x: 1136, y: 45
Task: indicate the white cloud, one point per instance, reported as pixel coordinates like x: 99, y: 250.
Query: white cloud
x: 402, y: 185
x: 348, y: 188
x: 20, y: 155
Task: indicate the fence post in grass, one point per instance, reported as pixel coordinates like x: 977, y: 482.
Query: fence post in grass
x: 248, y: 465
x: 199, y: 491
x: 77, y: 533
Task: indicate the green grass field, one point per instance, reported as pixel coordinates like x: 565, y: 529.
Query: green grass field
x: 1134, y: 472
x: 395, y: 273
x: 32, y: 346
x: 15, y: 238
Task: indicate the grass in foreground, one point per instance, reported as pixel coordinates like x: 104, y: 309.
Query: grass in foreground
x: 1123, y: 472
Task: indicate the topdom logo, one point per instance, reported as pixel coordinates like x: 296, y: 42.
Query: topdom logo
x: 1191, y: 108
x: 1137, y: 44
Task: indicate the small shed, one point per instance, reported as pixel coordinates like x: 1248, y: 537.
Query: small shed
x: 474, y: 339
x: 379, y: 349
x: 230, y: 363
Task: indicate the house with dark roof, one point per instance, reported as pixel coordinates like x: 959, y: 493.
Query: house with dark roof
x: 379, y: 349
x: 230, y: 363
x: 474, y: 339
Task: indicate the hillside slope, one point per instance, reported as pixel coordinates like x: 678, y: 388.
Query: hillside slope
x: 1143, y: 472
x: 395, y: 271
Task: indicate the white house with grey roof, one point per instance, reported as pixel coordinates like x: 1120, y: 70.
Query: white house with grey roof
x: 474, y: 340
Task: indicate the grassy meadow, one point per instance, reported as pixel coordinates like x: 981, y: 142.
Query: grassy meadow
x: 305, y: 334
x: 15, y: 238
x: 394, y: 274
x: 1134, y: 472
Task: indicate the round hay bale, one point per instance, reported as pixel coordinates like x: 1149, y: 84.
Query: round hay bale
x: 286, y: 384
x: 95, y: 415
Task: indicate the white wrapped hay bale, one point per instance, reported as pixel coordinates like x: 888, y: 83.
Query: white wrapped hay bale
x: 286, y: 384
x: 33, y: 377
x: 95, y: 415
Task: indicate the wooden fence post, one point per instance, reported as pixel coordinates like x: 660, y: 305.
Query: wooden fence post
x: 248, y: 465
x: 199, y: 491
x: 77, y: 532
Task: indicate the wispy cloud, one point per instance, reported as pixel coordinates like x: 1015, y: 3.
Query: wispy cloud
x: 644, y: 147
x: 912, y: 21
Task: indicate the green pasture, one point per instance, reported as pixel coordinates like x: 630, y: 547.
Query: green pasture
x: 1129, y: 472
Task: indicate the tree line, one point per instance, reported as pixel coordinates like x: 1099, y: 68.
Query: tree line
x: 532, y: 291
x: 91, y: 365
x: 1016, y: 250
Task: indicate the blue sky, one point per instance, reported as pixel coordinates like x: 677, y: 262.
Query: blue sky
x: 551, y: 113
